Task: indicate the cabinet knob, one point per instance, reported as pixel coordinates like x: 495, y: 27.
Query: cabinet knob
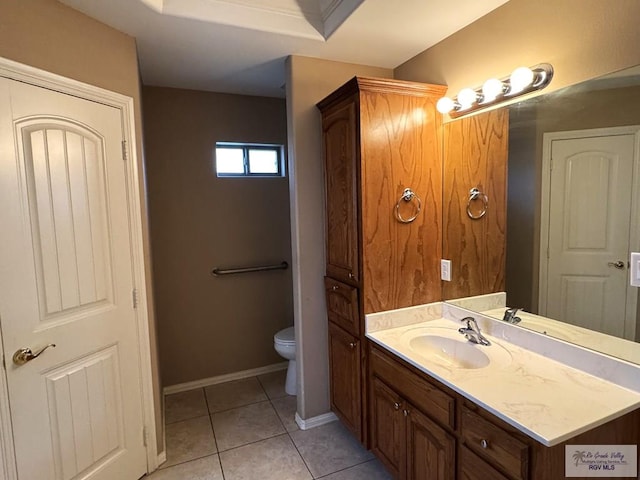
x: 353, y: 344
x: 406, y: 412
x: 484, y: 443
x: 396, y: 406
x: 335, y: 287
x: 351, y: 275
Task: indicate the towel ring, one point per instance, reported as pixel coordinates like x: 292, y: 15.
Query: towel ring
x: 475, y: 194
x: 407, y: 196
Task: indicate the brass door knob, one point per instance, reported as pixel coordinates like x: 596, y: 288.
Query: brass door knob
x: 24, y: 355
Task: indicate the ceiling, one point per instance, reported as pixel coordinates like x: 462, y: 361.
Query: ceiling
x: 240, y: 46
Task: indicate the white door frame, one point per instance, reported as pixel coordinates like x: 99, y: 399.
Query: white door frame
x: 16, y: 71
x: 634, y: 229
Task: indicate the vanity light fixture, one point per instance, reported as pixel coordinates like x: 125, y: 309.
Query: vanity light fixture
x: 522, y: 80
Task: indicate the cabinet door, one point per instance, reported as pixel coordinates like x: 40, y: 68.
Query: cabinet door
x: 472, y: 467
x: 388, y: 430
x: 340, y: 144
x: 345, y: 375
x: 430, y: 450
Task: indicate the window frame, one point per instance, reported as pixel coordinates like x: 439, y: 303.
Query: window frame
x: 246, y: 147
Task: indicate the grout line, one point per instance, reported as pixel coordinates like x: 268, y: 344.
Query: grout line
x: 213, y: 430
x: 345, y: 468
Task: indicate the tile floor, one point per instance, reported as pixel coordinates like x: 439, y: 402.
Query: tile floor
x: 245, y: 430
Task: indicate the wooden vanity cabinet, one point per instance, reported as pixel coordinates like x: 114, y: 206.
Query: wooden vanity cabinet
x: 345, y: 377
x: 380, y: 136
x: 446, y: 436
x: 442, y: 438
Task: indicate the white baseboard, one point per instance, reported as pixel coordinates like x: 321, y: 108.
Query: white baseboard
x: 205, y: 382
x: 306, y: 424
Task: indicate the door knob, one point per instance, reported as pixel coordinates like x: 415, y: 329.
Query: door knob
x: 24, y: 355
x: 619, y: 264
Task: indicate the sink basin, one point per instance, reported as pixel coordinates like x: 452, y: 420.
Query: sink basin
x: 445, y: 347
x: 451, y: 352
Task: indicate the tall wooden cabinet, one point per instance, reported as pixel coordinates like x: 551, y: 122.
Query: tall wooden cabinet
x: 380, y: 137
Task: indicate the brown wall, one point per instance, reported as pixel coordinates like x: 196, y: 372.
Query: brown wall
x: 48, y: 35
x: 581, y: 38
x: 210, y: 326
x: 309, y: 80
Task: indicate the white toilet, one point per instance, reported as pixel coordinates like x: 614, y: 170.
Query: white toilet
x: 285, y: 344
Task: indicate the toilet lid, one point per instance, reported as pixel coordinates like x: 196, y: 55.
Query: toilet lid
x: 286, y: 336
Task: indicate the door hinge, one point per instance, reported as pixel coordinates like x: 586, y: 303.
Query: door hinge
x: 124, y: 150
x: 144, y: 436
x: 134, y: 297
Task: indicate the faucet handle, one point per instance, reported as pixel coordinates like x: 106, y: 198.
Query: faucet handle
x: 469, y: 320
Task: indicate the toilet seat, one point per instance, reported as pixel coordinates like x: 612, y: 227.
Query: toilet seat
x: 285, y: 337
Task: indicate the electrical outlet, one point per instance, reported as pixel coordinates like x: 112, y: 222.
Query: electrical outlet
x: 445, y: 270
x: 635, y: 269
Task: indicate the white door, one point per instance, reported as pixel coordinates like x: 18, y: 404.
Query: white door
x: 66, y: 279
x: 589, y: 227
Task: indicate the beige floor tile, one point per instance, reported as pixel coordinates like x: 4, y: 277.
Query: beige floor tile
x: 207, y: 468
x: 371, y: 470
x: 329, y: 448
x: 185, y: 405
x: 234, y: 394
x: 247, y: 424
x: 286, y: 409
x: 272, y: 459
x: 188, y: 440
x: 273, y: 383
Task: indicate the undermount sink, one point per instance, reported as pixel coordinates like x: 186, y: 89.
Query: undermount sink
x: 457, y: 353
x: 449, y: 349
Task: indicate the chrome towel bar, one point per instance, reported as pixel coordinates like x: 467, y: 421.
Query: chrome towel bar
x: 230, y: 271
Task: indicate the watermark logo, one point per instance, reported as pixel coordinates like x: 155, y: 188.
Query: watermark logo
x: 601, y: 461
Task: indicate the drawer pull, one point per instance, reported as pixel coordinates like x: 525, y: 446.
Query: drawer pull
x: 353, y: 344
x: 351, y: 275
x: 335, y: 287
x: 396, y: 406
x: 484, y: 443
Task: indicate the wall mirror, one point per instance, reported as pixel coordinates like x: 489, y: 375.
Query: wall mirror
x: 566, y: 211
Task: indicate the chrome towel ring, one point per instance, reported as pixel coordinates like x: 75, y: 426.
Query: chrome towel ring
x: 407, y: 196
x: 476, y: 194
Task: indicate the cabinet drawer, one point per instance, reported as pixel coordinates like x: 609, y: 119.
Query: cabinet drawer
x: 495, y: 445
x: 426, y: 397
x: 472, y: 467
x: 342, y: 305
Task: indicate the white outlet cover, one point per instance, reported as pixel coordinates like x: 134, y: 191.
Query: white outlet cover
x: 445, y: 270
x: 634, y: 271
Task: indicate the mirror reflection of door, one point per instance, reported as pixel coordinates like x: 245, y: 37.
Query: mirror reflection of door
x: 586, y: 234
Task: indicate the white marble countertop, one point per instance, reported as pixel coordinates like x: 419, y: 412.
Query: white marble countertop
x: 544, y: 398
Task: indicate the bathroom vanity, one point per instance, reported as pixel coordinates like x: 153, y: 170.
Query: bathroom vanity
x: 427, y: 402
x: 444, y: 408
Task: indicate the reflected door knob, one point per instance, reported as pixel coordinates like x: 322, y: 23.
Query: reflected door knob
x: 619, y: 264
x: 24, y: 355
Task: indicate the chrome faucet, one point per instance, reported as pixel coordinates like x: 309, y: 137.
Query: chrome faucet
x: 510, y: 316
x: 472, y: 332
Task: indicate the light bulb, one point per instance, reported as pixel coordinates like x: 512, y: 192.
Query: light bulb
x: 445, y: 105
x: 466, y: 97
x: 491, y: 89
x: 520, y: 79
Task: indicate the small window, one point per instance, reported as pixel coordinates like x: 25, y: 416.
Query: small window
x: 249, y: 160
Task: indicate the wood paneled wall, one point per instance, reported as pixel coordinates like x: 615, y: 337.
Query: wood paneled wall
x: 475, y: 155
x: 401, y: 148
